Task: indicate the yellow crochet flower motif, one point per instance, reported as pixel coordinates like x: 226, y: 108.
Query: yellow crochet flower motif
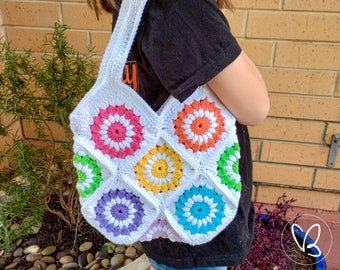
x: 160, y: 170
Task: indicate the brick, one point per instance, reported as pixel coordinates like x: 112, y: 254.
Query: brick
x: 327, y: 179
x: 305, y: 107
x: 30, y: 13
x: 253, y: 194
x: 13, y: 129
x: 332, y: 128
x: 7, y: 119
x: 4, y: 164
x: 99, y: 41
x: 237, y: 20
x: 2, y: 31
x: 316, y: 5
x: 305, y: 198
x: 80, y: 16
x: 36, y: 91
x: 298, y: 154
x: 307, y: 55
x: 255, y: 149
x: 34, y: 39
x: 337, y: 91
x: 260, y: 52
x: 27, y: 38
x: 79, y: 40
x: 292, y: 25
x: 298, y: 81
x: 259, y: 4
x: 30, y: 132
x: 283, y: 174
x: 289, y: 130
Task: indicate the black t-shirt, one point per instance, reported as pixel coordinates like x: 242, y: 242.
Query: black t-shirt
x: 180, y: 45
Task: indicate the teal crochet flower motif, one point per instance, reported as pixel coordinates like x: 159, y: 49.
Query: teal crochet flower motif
x: 200, y: 210
x: 228, y: 167
x: 89, y: 174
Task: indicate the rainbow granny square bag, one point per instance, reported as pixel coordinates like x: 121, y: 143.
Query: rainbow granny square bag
x: 143, y: 174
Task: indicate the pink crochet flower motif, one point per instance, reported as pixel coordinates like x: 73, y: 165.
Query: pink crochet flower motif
x: 117, y: 131
x: 161, y: 229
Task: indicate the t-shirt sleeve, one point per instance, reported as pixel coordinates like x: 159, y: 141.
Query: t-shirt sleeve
x: 187, y: 43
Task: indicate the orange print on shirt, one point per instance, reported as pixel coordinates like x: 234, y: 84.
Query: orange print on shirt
x: 129, y: 76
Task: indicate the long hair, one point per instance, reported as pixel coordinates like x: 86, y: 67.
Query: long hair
x: 112, y: 6
x: 225, y: 4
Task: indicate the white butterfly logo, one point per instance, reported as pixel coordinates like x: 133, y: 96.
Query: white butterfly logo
x: 309, y: 246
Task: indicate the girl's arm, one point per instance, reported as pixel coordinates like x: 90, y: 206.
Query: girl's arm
x: 242, y: 90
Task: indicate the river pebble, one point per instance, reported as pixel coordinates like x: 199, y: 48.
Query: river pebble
x: 101, y: 255
x: 117, y: 259
x: 66, y: 259
x: 85, y: 246
x: 90, y: 265
x: 71, y: 265
x: 82, y: 260
x: 61, y: 254
x: 48, y: 259
x: 131, y: 252
x: 34, y: 257
x: 40, y: 264
x: 127, y: 261
x: 19, y: 252
x: 96, y: 266
x: 32, y: 241
x: 32, y: 249
x: 105, y: 263
x: 18, y: 260
x: 11, y: 266
x: 49, y: 250
x: 120, y: 249
x: 89, y: 257
x: 51, y: 267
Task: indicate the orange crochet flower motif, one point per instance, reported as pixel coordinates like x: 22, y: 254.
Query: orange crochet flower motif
x: 199, y: 125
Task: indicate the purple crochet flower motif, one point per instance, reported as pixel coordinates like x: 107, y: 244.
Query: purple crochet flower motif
x: 119, y: 212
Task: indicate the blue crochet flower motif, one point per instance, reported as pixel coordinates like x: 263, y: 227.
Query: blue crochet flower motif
x: 200, y: 209
x: 119, y: 212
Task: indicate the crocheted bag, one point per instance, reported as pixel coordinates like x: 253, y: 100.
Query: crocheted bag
x: 144, y: 174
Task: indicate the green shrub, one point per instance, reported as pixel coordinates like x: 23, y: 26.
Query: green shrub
x: 21, y: 204
x: 41, y: 89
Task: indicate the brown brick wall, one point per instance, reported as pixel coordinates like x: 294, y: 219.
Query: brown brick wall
x: 296, y: 45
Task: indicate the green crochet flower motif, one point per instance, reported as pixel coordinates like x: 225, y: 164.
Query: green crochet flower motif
x: 89, y: 174
x: 228, y: 167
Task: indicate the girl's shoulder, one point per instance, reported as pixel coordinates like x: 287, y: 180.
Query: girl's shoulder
x: 186, y: 10
x: 186, y: 42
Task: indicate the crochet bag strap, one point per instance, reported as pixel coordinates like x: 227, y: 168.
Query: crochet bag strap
x: 121, y: 40
x: 113, y: 127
